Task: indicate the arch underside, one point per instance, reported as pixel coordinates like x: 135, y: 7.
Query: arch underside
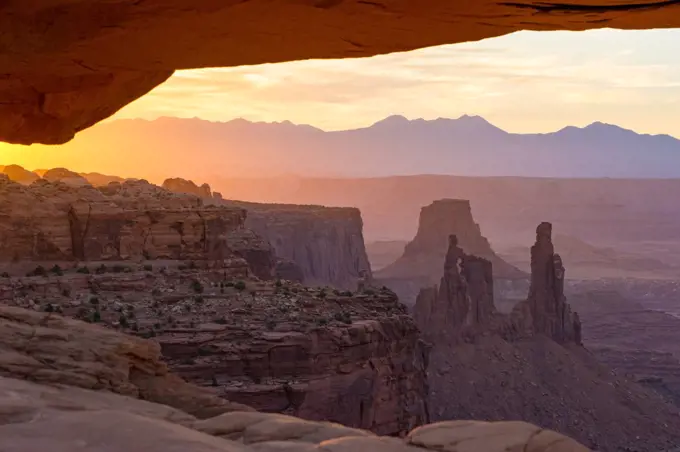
x: 67, y: 64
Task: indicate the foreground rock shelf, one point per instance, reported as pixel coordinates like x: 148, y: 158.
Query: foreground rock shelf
x: 66, y: 385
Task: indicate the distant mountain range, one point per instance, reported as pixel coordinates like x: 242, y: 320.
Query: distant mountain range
x: 469, y: 145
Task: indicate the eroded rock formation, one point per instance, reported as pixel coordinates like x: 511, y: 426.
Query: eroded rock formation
x: 550, y: 313
x: 65, y: 383
x: 325, y: 243
x: 529, y: 364
x: 275, y: 346
x: 421, y: 264
x: 94, y: 58
x: 179, y: 185
x: 18, y: 174
x: 65, y: 176
x: 130, y: 221
x: 463, y: 301
x: 51, y: 349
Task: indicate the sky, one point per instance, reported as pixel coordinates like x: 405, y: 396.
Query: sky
x: 523, y: 82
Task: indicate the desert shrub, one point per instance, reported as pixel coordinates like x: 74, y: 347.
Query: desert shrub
x: 57, y: 270
x: 240, y: 286
x: 94, y: 300
x: 38, y: 271
x: 83, y: 270
x: 196, y: 286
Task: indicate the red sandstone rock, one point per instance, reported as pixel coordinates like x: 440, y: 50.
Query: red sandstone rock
x: 325, y: 243
x: 126, y: 221
x: 73, y: 63
x: 281, y: 347
x: 421, y: 264
x: 18, y: 174
x: 65, y: 176
x: 179, y: 185
x: 550, y: 313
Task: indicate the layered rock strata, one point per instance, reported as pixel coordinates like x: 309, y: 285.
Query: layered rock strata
x: 421, y: 263
x: 276, y: 346
x: 134, y: 220
x: 529, y: 364
x: 325, y: 243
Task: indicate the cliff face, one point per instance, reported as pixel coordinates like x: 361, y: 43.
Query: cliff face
x: 130, y: 221
x: 529, y: 364
x: 420, y: 264
x: 278, y: 347
x: 325, y: 243
x: 66, y: 383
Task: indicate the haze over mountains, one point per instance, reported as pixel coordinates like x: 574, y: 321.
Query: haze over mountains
x: 468, y: 146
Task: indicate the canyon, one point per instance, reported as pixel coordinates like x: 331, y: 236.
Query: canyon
x: 530, y: 363
x: 185, y: 269
x: 150, y: 262
x: 117, y: 394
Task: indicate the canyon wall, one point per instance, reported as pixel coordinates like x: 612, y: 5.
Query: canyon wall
x: 119, y: 222
x: 274, y: 345
x: 97, y: 386
x: 316, y: 245
x: 325, y: 243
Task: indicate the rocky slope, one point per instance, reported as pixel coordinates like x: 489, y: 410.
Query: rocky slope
x: 420, y: 264
x: 66, y: 385
x: 276, y: 346
x: 529, y: 364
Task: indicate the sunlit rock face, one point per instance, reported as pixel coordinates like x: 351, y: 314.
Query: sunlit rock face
x: 68, y: 64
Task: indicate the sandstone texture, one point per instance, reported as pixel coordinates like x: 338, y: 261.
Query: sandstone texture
x: 65, y: 176
x: 179, y: 185
x: 48, y: 348
x: 529, y: 364
x: 64, y: 419
x: 325, y: 243
x: 421, y: 263
x: 316, y: 245
x: 18, y: 174
x: 321, y: 354
x: 72, y: 63
x: 130, y: 221
x: 66, y: 385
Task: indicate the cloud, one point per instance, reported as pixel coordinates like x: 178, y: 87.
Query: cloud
x: 527, y: 81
